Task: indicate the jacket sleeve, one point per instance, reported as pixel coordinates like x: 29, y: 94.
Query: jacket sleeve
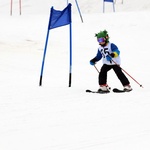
x: 97, y: 57
x: 115, y: 50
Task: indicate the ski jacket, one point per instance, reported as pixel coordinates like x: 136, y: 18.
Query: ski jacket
x: 107, y: 50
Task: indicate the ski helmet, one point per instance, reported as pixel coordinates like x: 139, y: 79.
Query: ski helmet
x: 103, y: 34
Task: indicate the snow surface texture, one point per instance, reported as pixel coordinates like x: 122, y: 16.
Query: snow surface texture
x: 58, y: 117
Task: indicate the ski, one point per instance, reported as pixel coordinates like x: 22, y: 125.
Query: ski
x: 115, y: 90
x: 99, y: 92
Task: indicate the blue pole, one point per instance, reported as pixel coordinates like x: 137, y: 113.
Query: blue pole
x: 113, y: 6
x: 79, y: 10
x: 44, y: 55
x: 70, y: 64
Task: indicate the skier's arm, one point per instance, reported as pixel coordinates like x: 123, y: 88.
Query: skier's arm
x: 96, y: 58
x: 115, y: 51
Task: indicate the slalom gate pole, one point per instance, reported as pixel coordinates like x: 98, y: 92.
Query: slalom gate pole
x: 44, y: 55
x: 79, y: 10
x: 20, y: 7
x: 11, y: 7
x: 70, y: 63
x: 128, y: 74
x: 11, y: 2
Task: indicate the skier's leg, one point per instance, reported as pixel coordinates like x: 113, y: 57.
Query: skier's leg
x: 123, y: 79
x: 103, y: 74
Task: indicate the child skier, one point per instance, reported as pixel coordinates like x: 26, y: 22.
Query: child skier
x: 110, y: 54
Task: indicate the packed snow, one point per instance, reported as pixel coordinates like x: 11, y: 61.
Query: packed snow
x: 57, y: 117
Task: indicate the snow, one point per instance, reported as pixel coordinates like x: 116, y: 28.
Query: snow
x: 58, y: 117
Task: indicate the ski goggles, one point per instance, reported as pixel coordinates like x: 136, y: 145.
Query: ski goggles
x: 100, y: 40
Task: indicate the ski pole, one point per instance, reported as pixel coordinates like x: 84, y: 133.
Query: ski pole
x: 127, y: 73
x: 96, y: 68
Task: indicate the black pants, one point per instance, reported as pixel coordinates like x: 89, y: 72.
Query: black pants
x: 103, y: 74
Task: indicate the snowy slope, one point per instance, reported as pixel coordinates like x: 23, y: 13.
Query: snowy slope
x: 54, y: 116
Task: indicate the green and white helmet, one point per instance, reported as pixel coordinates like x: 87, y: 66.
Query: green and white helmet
x: 103, y: 34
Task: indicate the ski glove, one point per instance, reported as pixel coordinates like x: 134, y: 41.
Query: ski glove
x: 93, y: 61
x: 112, y: 55
x: 115, y: 54
x: 108, y: 57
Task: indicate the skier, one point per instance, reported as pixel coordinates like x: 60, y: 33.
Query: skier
x: 110, y: 54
